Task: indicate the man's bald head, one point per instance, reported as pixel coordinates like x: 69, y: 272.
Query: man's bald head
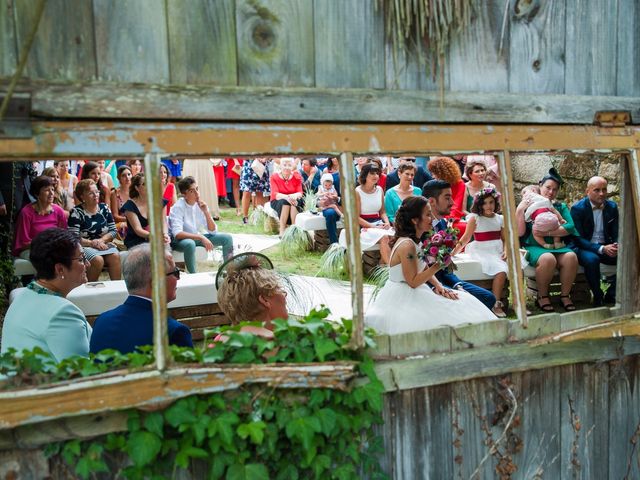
x: 597, y: 190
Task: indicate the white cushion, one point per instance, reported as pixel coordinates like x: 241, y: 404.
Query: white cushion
x: 270, y: 211
x: 97, y: 297
x: 468, y: 269
x: 343, y: 241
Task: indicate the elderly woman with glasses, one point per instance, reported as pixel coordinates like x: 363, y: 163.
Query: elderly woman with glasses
x: 40, y: 315
x: 93, y: 223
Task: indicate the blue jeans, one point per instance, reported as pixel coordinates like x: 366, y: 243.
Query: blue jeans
x: 188, y: 247
x: 331, y: 219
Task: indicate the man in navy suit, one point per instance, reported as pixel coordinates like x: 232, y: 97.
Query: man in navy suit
x: 438, y: 193
x: 596, y: 219
x: 130, y: 325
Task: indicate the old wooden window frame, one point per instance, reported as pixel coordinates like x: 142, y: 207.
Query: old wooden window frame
x: 66, y: 140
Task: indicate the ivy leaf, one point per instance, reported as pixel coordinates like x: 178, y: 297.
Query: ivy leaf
x: 251, y: 471
x: 290, y: 472
x: 324, y: 347
x: 213, y: 355
x: 303, y: 429
x: 243, y: 355
x: 219, y: 464
x: 179, y: 413
x: 153, y: 422
x: 224, y: 427
x: 182, y: 457
x: 255, y: 430
x: 322, y: 463
x: 143, y: 447
x: 327, y: 419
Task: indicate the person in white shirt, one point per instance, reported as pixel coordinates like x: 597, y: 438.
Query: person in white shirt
x: 191, y: 225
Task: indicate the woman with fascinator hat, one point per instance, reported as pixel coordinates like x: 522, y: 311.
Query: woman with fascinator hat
x: 544, y: 259
x: 250, y: 291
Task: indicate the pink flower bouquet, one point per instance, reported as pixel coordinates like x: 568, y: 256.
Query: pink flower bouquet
x: 438, y: 246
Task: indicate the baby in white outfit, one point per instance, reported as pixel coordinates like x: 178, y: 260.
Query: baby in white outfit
x: 543, y: 214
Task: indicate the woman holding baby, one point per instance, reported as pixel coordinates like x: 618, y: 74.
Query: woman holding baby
x: 541, y: 236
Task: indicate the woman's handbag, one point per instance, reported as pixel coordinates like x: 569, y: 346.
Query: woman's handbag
x: 258, y: 167
x: 237, y: 167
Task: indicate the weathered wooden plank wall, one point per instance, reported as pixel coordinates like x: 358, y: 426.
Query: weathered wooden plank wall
x: 64, y: 46
x: 202, y: 42
x: 8, y: 59
x: 575, y: 421
x: 570, y: 47
x: 131, y: 40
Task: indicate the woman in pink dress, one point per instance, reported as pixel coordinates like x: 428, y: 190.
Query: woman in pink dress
x: 37, y: 216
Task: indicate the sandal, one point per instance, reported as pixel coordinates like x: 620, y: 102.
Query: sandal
x: 547, y: 307
x: 568, y: 306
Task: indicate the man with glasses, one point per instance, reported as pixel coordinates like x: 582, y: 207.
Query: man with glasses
x: 421, y: 177
x: 130, y: 325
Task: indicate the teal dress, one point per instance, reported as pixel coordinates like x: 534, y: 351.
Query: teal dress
x: 392, y: 202
x: 535, y: 250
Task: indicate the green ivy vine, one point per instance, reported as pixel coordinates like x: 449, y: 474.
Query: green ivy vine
x: 254, y: 432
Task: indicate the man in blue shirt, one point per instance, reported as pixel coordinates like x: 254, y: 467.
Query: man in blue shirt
x: 130, y: 325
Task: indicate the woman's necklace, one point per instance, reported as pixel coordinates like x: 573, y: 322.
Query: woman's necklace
x: 42, y: 290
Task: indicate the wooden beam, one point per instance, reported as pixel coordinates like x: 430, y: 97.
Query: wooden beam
x: 107, y: 139
x: 143, y: 101
x: 120, y: 390
x: 441, y: 368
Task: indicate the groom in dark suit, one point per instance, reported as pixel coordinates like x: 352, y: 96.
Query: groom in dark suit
x: 438, y: 193
x: 130, y: 325
x: 596, y: 219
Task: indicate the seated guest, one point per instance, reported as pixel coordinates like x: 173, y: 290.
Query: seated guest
x: 37, y: 216
x: 119, y: 197
x: 252, y: 293
x: 286, y: 193
x: 382, y: 181
x: 93, y: 223
x: 310, y: 174
x: 596, y: 220
x: 41, y: 316
x: 447, y: 170
x: 405, y: 189
x: 420, y: 178
x: 136, y: 212
x: 191, y: 224
x: 476, y: 171
x: 60, y: 195
x: 438, y: 192
x: 130, y: 325
x: 373, y: 220
x: 92, y: 171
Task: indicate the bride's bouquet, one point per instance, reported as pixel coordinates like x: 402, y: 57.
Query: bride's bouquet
x: 438, y: 246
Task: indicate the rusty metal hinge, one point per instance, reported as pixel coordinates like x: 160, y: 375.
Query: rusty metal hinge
x: 17, y: 121
x: 612, y: 118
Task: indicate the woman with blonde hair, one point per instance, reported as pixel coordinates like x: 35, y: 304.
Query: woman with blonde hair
x: 60, y: 195
x: 250, y: 291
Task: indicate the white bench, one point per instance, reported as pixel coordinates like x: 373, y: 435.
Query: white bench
x: 93, y: 298
x: 23, y: 267
x: 316, y: 225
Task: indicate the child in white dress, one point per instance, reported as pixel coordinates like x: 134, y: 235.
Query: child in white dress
x: 485, y: 225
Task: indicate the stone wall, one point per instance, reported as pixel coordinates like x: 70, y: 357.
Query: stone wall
x: 574, y: 168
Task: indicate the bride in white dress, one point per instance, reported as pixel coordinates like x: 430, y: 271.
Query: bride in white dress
x: 406, y: 303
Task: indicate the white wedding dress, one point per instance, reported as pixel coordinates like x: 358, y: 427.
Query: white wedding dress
x: 398, y: 308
